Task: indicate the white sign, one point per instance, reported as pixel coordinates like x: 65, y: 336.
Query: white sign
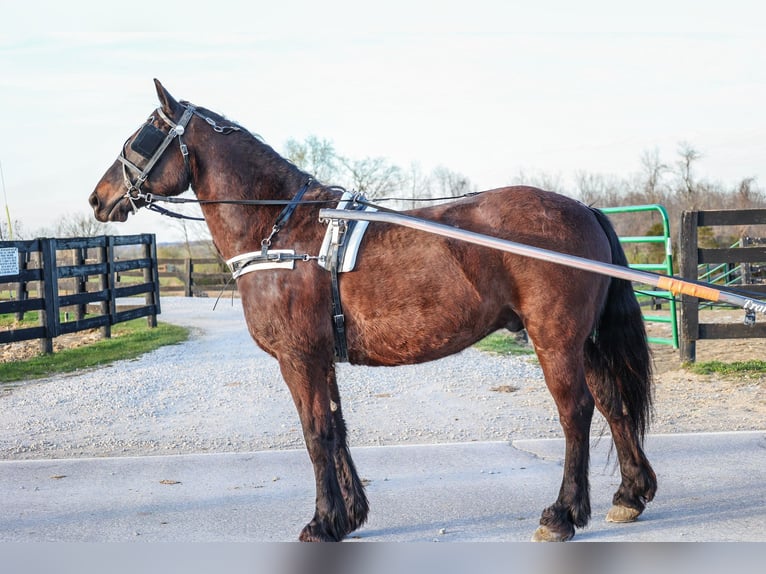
x: 9, y: 261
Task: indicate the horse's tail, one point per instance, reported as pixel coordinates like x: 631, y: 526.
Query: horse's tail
x: 617, y: 356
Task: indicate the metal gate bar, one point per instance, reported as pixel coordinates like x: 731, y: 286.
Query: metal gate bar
x: 665, y: 267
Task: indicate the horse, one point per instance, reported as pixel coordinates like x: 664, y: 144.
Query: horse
x: 412, y: 297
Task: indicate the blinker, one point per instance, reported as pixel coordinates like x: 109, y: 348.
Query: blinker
x: 148, y: 141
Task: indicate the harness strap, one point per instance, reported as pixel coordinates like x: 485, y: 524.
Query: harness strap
x: 174, y: 214
x: 338, y: 319
x: 284, y: 215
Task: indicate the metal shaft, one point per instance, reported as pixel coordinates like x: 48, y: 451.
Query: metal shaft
x: 674, y: 285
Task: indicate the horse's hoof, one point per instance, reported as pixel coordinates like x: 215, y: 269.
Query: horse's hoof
x: 622, y: 514
x: 312, y: 532
x: 545, y: 534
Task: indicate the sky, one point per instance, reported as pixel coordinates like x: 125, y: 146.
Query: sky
x: 486, y: 88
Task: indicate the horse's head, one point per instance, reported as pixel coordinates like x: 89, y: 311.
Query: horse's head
x: 154, y: 161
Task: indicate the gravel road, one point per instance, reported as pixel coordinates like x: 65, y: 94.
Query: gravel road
x: 219, y: 393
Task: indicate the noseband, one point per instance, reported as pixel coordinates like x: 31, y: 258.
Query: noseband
x: 147, y: 144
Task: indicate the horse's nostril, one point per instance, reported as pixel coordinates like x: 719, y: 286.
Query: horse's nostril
x: 93, y: 200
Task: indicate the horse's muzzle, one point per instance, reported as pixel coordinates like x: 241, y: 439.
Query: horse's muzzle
x: 104, y: 212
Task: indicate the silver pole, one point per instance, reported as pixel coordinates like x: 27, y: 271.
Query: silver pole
x: 672, y: 284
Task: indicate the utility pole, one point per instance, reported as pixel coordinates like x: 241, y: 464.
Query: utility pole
x: 5, y: 198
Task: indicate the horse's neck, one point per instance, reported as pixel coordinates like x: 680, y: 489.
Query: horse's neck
x: 238, y: 229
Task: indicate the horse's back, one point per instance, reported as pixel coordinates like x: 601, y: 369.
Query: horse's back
x: 528, y: 215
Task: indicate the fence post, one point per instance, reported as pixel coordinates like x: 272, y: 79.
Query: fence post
x: 151, y: 276
x: 49, y: 315
x: 80, y: 283
x: 103, y: 285
x: 22, y: 291
x: 688, y: 267
x: 189, y: 268
x: 112, y: 279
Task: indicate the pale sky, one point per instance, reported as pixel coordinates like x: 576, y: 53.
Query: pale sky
x: 487, y: 88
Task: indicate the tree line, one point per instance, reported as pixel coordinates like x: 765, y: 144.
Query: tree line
x: 673, y: 183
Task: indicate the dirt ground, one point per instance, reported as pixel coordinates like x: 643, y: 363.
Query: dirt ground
x: 668, y: 359
x: 692, y: 402
x: 28, y: 349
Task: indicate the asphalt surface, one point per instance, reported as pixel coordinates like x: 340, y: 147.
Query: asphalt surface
x: 711, y: 488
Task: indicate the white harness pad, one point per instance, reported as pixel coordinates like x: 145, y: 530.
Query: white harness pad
x: 346, y: 235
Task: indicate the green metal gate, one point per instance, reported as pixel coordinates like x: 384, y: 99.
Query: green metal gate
x: 665, y: 266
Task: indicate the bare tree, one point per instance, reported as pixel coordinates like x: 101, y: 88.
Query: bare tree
x: 417, y: 184
x: 599, y: 190
x: 315, y: 156
x: 653, y: 172
x: 81, y: 225
x: 11, y: 231
x: 373, y: 176
x: 687, y: 187
x: 448, y: 183
x: 747, y: 194
x: 550, y: 182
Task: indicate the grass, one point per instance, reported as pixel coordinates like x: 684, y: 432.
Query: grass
x: 32, y: 319
x: 129, y: 340
x: 752, y: 367
x: 503, y: 343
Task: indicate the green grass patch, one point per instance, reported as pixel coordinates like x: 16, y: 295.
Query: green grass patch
x: 129, y: 340
x: 32, y: 319
x: 503, y: 343
x: 752, y: 367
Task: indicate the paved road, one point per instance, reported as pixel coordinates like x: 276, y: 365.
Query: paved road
x: 712, y: 488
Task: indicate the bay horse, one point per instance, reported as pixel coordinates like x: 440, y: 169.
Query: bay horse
x: 413, y: 297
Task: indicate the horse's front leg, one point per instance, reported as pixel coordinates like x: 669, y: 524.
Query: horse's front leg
x: 340, y: 503
x: 351, y: 486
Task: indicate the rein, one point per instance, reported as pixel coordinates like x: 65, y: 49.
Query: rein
x: 147, y: 144
x: 151, y: 201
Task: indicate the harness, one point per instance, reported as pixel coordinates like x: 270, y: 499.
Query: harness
x: 271, y: 258
x: 342, y: 238
x: 337, y: 254
x: 151, y: 142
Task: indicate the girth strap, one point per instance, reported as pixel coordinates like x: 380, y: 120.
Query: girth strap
x: 338, y: 319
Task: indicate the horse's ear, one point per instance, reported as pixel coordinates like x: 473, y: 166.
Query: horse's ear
x: 169, y: 104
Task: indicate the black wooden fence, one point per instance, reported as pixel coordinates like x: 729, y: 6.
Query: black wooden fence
x: 73, y: 284
x: 692, y: 256
x: 194, y: 277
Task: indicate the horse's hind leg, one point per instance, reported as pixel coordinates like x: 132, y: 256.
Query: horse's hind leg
x: 340, y: 502
x: 565, y: 377
x: 639, y: 483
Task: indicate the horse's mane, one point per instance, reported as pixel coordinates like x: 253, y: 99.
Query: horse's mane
x: 260, y: 147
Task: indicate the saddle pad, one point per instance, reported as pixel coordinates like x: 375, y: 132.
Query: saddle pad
x: 350, y: 241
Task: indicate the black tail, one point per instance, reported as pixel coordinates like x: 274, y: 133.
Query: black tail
x: 617, y: 358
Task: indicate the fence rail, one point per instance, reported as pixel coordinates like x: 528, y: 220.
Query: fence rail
x: 692, y: 256
x: 83, y: 284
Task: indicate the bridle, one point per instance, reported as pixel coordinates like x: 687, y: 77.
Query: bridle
x: 151, y: 143
x: 148, y: 144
